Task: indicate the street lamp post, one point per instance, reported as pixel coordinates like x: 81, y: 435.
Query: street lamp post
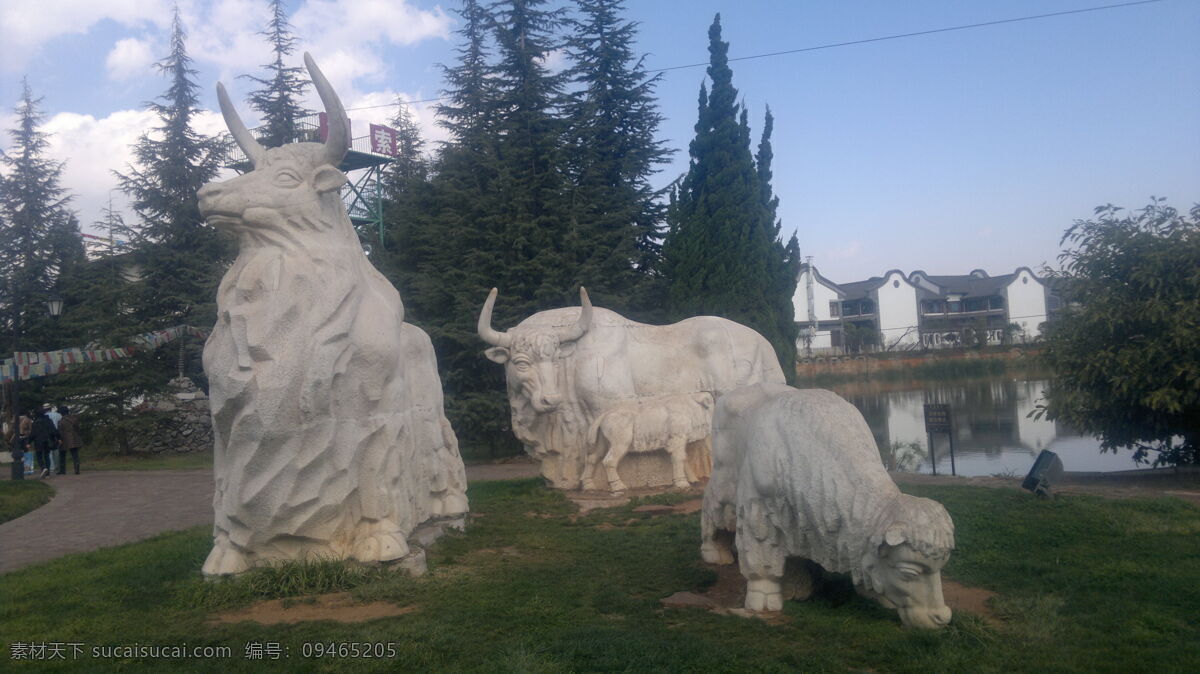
x: 54, y: 306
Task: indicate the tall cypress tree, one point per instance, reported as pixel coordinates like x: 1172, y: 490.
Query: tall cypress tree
x: 180, y: 258
x: 722, y: 256
x: 613, y: 120
x: 279, y: 98
x: 783, y: 260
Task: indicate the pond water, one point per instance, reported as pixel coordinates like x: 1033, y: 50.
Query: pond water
x: 993, y: 432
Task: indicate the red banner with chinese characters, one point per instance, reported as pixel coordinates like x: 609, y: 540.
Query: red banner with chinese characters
x: 384, y: 140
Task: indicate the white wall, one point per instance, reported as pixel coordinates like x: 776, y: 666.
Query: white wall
x: 897, y: 311
x: 822, y: 296
x: 1026, y: 300
x: 822, y: 340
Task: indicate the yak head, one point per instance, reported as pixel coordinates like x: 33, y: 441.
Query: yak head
x: 292, y: 190
x: 904, y: 560
x: 532, y: 355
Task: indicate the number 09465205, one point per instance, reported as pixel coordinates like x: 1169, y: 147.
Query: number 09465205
x: 351, y: 649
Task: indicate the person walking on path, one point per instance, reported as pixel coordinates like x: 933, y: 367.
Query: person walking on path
x: 18, y: 457
x: 69, y: 439
x: 24, y: 430
x: 45, y: 439
x: 54, y: 415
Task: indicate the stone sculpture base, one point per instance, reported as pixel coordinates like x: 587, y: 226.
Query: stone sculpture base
x: 653, y: 469
x: 426, y: 534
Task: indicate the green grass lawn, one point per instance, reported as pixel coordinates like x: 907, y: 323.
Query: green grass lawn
x: 18, y: 497
x: 190, y: 461
x: 1084, y: 584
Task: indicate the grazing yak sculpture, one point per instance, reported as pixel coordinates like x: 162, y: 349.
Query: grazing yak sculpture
x: 329, y: 433
x: 566, y: 367
x: 648, y: 424
x: 797, y: 479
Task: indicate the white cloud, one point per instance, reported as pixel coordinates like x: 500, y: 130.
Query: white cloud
x: 91, y: 149
x: 27, y: 25
x: 129, y: 58
x: 378, y: 107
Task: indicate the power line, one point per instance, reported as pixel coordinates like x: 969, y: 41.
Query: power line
x: 869, y: 40
x: 920, y: 32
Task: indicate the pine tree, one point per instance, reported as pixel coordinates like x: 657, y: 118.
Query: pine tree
x: 34, y: 214
x: 496, y: 210
x: 405, y: 188
x: 279, y: 98
x: 613, y: 152
x: 180, y: 258
x: 97, y: 295
x: 722, y: 255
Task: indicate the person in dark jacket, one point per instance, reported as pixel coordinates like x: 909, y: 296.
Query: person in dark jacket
x: 69, y: 439
x: 45, y: 439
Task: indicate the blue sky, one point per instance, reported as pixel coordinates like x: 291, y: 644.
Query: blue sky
x: 944, y: 152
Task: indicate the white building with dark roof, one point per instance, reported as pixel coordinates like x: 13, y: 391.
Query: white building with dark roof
x: 895, y: 312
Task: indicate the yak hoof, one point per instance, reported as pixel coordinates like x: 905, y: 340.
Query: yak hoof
x: 763, y: 595
x: 454, y: 504
x: 224, y: 560
x: 381, y: 548
x: 715, y: 553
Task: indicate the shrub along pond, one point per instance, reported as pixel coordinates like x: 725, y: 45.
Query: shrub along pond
x: 1083, y: 584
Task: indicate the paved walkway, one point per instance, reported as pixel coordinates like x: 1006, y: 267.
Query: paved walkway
x: 103, y: 508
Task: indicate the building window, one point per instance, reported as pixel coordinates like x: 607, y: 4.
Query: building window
x: 835, y: 309
x: 895, y: 284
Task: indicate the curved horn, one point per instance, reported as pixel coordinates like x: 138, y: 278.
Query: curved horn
x: 254, y: 151
x: 486, y: 333
x: 585, y: 319
x: 338, y: 140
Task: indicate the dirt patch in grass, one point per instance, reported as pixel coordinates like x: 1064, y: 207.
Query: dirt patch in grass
x: 974, y: 600
x: 728, y: 595
x: 338, y: 607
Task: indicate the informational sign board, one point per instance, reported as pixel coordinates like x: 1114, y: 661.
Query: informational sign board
x: 384, y: 140
x: 937, y: 418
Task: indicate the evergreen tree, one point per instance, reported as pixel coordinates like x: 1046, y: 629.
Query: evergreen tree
x: 495, y: 212
x: 722, y: 255
x: 279, y: 98
x: 34, y: 215
x: 784, y: 260
x: 34, y: 223
x: 97, y: 294
x: 613, y: 121
x: 405, y: 187
x: 180, y: 258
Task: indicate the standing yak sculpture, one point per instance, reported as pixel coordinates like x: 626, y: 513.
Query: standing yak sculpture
x: 330, y: 439
x: 567, y: 367
x: 798, y: 482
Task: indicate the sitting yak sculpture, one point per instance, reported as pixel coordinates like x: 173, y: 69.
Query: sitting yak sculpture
x: 670, y: 423
x: 797, y: 478
x: 566, y: 367
x: 328, y: 427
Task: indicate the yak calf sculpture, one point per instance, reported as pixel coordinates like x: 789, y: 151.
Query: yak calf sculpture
x: 669, y: 423
x: 329, y: 433
x: 797, y: 476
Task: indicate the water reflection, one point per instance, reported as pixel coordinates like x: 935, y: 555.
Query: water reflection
x: 993, y: 432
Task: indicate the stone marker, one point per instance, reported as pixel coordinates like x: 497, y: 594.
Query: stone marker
x: 567, y: 367
x: 329, y: 433
x: 797, y: 476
